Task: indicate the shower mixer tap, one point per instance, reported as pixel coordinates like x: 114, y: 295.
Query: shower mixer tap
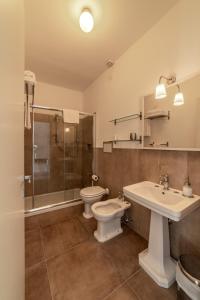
x: 28, y: 178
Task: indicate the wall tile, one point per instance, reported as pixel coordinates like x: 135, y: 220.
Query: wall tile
x: 174, y: 163
x: 194, y: 170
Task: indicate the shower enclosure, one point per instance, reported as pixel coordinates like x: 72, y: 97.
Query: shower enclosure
x: 58, y: 158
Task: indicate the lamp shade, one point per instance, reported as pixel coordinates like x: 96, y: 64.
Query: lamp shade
x: 178, y: 99
x: 160, y: 91
x: 86, y: 20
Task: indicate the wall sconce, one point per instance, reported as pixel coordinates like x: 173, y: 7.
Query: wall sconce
x: 161, y: 92
x: 179, y: 98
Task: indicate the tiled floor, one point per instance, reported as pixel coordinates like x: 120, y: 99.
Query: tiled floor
x: 65, y: 262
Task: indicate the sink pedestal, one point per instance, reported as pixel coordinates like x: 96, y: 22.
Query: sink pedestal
x: 156, y: 260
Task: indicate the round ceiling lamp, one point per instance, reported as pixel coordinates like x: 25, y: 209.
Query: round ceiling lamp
x: 86, y: 20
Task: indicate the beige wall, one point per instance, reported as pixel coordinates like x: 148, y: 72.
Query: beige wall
x: 11, y: 151
x: 182, y: 130
x: 172, y: 45
x: 56, y: 96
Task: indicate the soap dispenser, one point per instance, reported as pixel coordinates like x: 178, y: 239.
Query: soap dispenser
x: 187, y: 188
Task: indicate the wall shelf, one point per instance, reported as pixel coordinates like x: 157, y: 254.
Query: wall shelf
x: 126, y: 118
x: 132, y: 139
x: 158, y: 115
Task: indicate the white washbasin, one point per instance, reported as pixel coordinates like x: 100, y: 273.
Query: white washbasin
x: 164, y: 204
x: 169, y: 203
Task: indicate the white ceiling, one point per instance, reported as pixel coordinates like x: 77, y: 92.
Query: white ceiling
x: 61, y: 54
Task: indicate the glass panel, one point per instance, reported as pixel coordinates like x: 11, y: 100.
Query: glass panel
x: 78, y: 156
x: 59, y: 158
x: 48, y: 153
x: 28, y: 155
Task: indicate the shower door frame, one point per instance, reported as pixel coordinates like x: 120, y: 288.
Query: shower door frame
x: 51, y: 206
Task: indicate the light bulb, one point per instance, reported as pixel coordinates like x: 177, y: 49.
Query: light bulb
x: 178, y: 99
x: 160, y: 91
x: 86, y: 20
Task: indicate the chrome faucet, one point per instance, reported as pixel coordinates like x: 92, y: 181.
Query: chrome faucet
x: 164, y: 180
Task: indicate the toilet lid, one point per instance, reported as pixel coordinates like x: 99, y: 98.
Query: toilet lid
x: 92, y: 191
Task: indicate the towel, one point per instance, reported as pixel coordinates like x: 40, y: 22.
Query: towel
x: 147, y: 127
x: 71, y: 116
x: 156, y: 113
x: 27, y: 117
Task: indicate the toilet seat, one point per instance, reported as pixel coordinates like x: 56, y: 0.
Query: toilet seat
x: 91, y: 195
x: 92, y: 191
x: 108, y: 209
x: 108, y: 215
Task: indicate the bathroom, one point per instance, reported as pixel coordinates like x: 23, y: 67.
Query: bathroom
x: 100, y: 159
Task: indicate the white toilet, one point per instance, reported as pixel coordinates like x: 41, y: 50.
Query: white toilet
x: 108, y: 214
x: 90, y: 195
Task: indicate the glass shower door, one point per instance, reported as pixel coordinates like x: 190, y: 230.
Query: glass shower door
x: 48, y: 158
x: 78, y: 139
x: 58, y: 158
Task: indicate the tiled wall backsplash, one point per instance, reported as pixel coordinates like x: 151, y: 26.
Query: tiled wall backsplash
x: 127, y: 166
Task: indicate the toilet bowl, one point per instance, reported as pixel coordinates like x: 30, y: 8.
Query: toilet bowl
x: 90, y: 195
x: 108, y: 215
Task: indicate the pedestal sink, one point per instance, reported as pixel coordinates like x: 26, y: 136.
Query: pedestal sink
x: 164, y: 205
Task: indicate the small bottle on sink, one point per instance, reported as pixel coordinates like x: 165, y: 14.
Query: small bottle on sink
x: 187, y: 188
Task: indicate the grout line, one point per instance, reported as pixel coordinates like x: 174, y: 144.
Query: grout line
x: 27, y: 269
x: 67, y: 250
x: 45, y: 260
x: 122, y: 284
x: 43, y: 249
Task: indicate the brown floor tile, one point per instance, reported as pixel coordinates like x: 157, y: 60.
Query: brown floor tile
x: 85, y: 272
x: 146, y: 289
x: 89, y: 224
x: 53, y: 217
x: 37, y: 284
x: 122, y: 293
x: 72, y: 233
x: 52, y: 241
x: 63, y: 236
x: 33, y: 248
x: 32, y: 223
x: 123, y: 252
x: 60, y: 215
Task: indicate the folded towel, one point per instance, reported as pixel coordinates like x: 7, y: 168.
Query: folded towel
x: 147, y: 127
x: 156, y: 113
x: 71, y: 116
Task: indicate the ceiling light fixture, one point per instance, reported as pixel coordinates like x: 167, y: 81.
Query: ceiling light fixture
x: 86, y: 20
x: 179, y: 98
x: 161, y: 92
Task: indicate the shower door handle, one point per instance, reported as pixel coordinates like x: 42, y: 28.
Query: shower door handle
x: 35, y: 147
x: 28, y: 178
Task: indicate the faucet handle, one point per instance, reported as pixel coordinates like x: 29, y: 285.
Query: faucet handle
x: 162, y: 177
x: 166, y: 177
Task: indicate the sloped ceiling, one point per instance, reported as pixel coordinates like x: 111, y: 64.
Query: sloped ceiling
x: 61, y: 54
